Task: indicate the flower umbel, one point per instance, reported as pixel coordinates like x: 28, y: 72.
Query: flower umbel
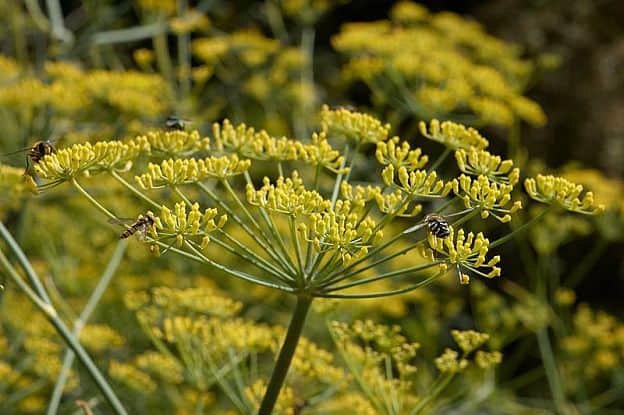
x: 563, y: 193
x: 482, y: 163
x: 466, y: 251
x: 453, y: 136
x: 488, y: 197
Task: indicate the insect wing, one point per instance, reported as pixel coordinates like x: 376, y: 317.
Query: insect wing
x: 121, y: 221
x: 414, y: 228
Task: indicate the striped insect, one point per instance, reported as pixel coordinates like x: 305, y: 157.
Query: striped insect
x: 137, y: 227
x: 436, y: 226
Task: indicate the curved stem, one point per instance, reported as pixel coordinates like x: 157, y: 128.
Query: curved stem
x: 384, y: 276
x: 91, y: 199
x: 285, y: 355
x: 521, y: 229
x: 133, y: 189
x: 440, y: 159
x: 385, y: 293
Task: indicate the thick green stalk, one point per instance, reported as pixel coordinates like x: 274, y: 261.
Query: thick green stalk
x: 94, y: 299
x: 285, y: 355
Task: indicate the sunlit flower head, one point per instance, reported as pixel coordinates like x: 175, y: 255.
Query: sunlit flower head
x: 489, y: 197
x: 482, y: 163
x: 358, y: 127
x: 563, y: 193
x: 466, y: 252
x: 453, y: 136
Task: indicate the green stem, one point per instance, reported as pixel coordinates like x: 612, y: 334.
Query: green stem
x: 184, y: 55
x: 97, y: 204
x: 285, y: 355
x: 384, y: 276
x: 94, y: 299
x: 21, y: 258
x: 521, y: 229
x: 50, y: 313
x: 133, y: 189
x: 586, y: 264
x: 440, y: 159
x: 260, y: 241
x: 162, y: 55
x: 385, y: 293
x: 443, y: 383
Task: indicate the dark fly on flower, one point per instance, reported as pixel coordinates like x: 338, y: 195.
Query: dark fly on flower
x: 176, y: 123
x: 138, y: 227
x: 436, y: 225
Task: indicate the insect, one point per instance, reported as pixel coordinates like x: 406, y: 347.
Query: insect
x: 174, y: 122
x: 136, y: 227
x: 37, y: 151
x: 436, y: 225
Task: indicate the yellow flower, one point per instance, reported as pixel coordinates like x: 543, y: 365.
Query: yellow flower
x: 466, y: 251
x: 480, y: 162
x: 185, y: 171
x: 344, y: 124
x: 132, y: 377
x: 453, y: 136
x: 287, y: 196
x: 490, y: 198
x: 469, y: 340
x: 563, y: 193
x: 390, y: 152
x: 174, y: 143
x: 449, y: 362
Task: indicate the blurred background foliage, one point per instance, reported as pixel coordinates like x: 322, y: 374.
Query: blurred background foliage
x: 544, y: 81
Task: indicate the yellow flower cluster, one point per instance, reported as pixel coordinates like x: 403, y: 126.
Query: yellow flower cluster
x: 174, y: 143
x: 133, y: 93
x: 100, y: 338
x: 131, y: 377
x: 450, y: 362
x: 14, y: 185
x: 490, y: 198
x: 596, y: 346
x: 194, y: 300
x: 482, y: 163
x: 391, y: 153
x: 342, y: 232
x: 418, y: 183
x: 466, y: 251
x: 349, y: 125
x: 183, y: 226
x: 469, y: 340
x: 453, y: 136
x: 563, y: 193
x: 288, y: 196
x: 369, y: 348
x: 246, y: 142
x: 437, y: 65
x: 87, y: 158
x: 174, y: 172
x: 164, y: 366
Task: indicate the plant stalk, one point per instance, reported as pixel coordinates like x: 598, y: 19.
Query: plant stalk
x: 285, y: 355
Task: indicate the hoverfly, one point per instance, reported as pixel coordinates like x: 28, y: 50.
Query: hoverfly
x: 437, y: 225
x: 36, y: 152
x: 138, y: 227
x: 175, y: 123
